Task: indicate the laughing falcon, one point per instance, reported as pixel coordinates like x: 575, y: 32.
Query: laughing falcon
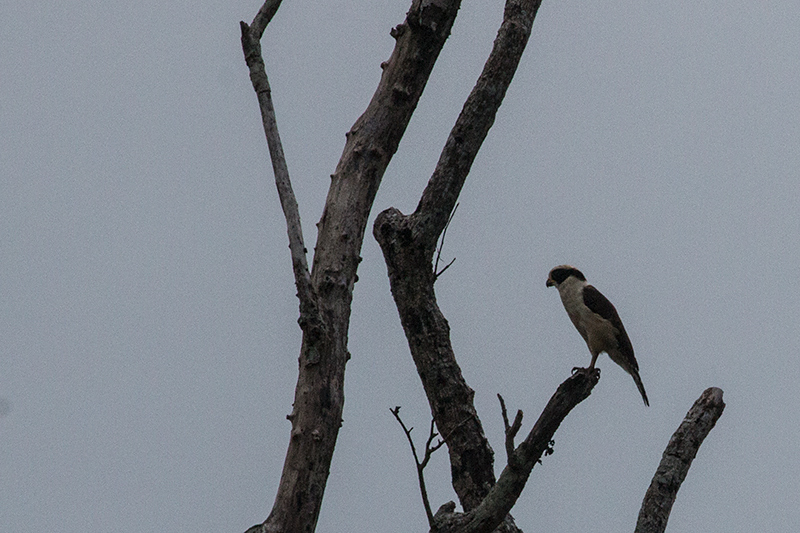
x: 596, y: 320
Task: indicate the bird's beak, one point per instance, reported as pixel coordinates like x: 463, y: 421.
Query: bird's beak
x: 550, y: 283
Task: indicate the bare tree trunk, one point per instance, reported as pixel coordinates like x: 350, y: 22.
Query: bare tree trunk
x: 677, y: 459
x: 325, y: 293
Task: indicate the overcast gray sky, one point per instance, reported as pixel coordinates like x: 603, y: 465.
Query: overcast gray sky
x: 148, y: 335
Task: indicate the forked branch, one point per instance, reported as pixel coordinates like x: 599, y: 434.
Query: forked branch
x: 510, y: 430
x: 326, y: 294
x: 494, y: 508
x: 429, y: 450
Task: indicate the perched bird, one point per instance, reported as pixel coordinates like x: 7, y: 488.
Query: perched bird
x: 596, y: 320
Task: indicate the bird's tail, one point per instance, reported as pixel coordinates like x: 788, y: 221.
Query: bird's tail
x: 640, y: 386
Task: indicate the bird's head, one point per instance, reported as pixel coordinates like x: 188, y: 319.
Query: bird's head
x: 560, y: 273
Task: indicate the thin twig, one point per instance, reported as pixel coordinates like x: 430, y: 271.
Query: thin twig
x: 445, y: 268
x: 421, y: 465
x: 428, y: 448
x: 441, y: 245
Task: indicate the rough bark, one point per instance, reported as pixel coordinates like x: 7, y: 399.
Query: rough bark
x: 504, y: 494
x: 512, y: 480
x: 677, y: 459
x: 428, y: 333
x: 326, y: 293
x: 409, y: 242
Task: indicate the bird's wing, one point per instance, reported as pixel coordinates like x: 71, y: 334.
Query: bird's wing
x: 599, y: 304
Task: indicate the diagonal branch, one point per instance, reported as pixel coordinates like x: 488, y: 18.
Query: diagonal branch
x: 494, y: 508
x: 476, y: 117
x: 263, y: 17
x: 258, y: 76
x: 504, y: 494
x: 677, y: 459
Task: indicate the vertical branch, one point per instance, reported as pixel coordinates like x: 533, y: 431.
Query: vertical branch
x: 677, y: 459
x: 511, y: 430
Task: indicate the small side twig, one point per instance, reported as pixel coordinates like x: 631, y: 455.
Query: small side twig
x: 421, y: 464
x: 430, y: 449
x: 512, y: 430
x: 436, y: 270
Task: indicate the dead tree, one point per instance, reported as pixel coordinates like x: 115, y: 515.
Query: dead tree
x: 408, y: 243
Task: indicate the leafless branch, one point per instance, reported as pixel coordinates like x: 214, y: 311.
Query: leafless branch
x: 512, y: 480
x: 263, y: 17
x: 677, y: 459
x: 327, y: 290
x: 477, y: 116
x: 429, y: 450
x: 436, y: 271
x: 510, y: 431
x: 258, y: 76
x: 494, y: 508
